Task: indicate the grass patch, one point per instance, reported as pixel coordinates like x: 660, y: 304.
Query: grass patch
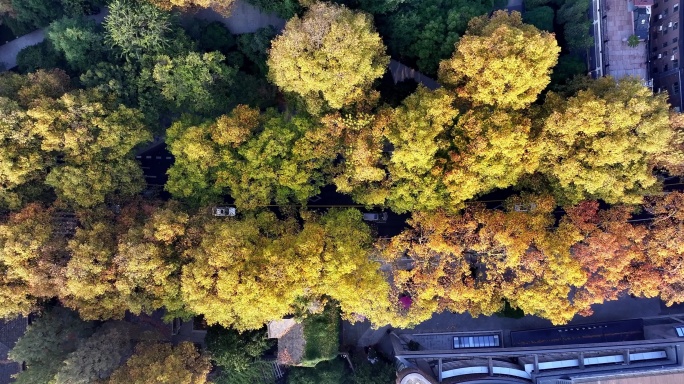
x: 322, y: 335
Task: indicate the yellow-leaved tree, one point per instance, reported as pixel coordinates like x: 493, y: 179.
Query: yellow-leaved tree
x: 30, y: 259
x: 418, y: 132
x: 330, y: 56
x: 163, y: 363
x: 501, y: 62
x: 492, y: 148
x: 603, y: 142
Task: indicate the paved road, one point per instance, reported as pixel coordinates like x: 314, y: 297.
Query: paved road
x: 244, y: 18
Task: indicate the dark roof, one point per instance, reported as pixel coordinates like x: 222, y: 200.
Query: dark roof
x: 612, y: 331
x: 10, y: 332
x: 641, y: 23
x: 7, y: 370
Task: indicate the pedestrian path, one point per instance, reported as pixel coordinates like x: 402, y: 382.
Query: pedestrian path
x: 244, y: 18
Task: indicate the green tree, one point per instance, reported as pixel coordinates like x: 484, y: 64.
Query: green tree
x: 380, y: 372
x: 238, y: 354
x: 196, y: 82
x: 216, y: 37
x: 47, y: 343
x: 425, y: 31
x: 137, y: 27
x: 330, y: 56
x: 540, y: 17
x: 255, y: 47
x: 98, y: 356
x: 79, y: 40
x: 39, y: 56
x: 164, y: 364
x: 501, y: 62
x: 283, y: 8
x: 572, y: 14
x: 329, y: 372
x: 29, y: 15
x: 602, y: 142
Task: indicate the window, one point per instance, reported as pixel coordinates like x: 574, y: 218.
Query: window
x: 680, y: 331
x: 665, y: 12
x: 664, y: 44
x: 675, y: 91
x: 675, y: 40
x: 675, y: 64
x: 476, y: 341
x: 665, y: 68
x: 675, y: 25
x: 674, y: 51
x: 654, y: 49
x: 675, y: 7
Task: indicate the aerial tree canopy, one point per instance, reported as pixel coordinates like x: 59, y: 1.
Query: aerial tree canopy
x: 48, y: 341
x: 492, y: 149
x: 79, y: 39
x: 163, y: 363
x: 126, y: 261
x: 230, y: 281
x: 94, y: 139
x: 330, y: 56
x: 362, y: 173
x: 603, y: 142
x: 137, y: 27
x: 257, y: 158
x: 501, y: 62
x: 473, y: 261
x: 418, y: 132
x: 424, y: 31
x: 195, y: 83
x: 23, y: 164
x: 245, y: 272
x: 30, y: 258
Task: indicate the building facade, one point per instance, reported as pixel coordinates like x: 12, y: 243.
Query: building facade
x: 620, y: 352
x: 664, y: 50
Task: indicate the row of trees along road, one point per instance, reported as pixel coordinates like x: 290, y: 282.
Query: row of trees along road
x: 70, y: 148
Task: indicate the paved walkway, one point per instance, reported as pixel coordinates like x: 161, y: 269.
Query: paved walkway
x: 244, y: 18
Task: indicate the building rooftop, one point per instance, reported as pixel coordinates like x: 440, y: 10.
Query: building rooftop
x: 643, y: 3
x: 642, y: 17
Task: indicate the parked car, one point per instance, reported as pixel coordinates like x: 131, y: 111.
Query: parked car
x: 224, y: 211
x: 378, y: 217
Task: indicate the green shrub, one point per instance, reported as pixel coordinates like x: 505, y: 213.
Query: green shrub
x: 322, y: 335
